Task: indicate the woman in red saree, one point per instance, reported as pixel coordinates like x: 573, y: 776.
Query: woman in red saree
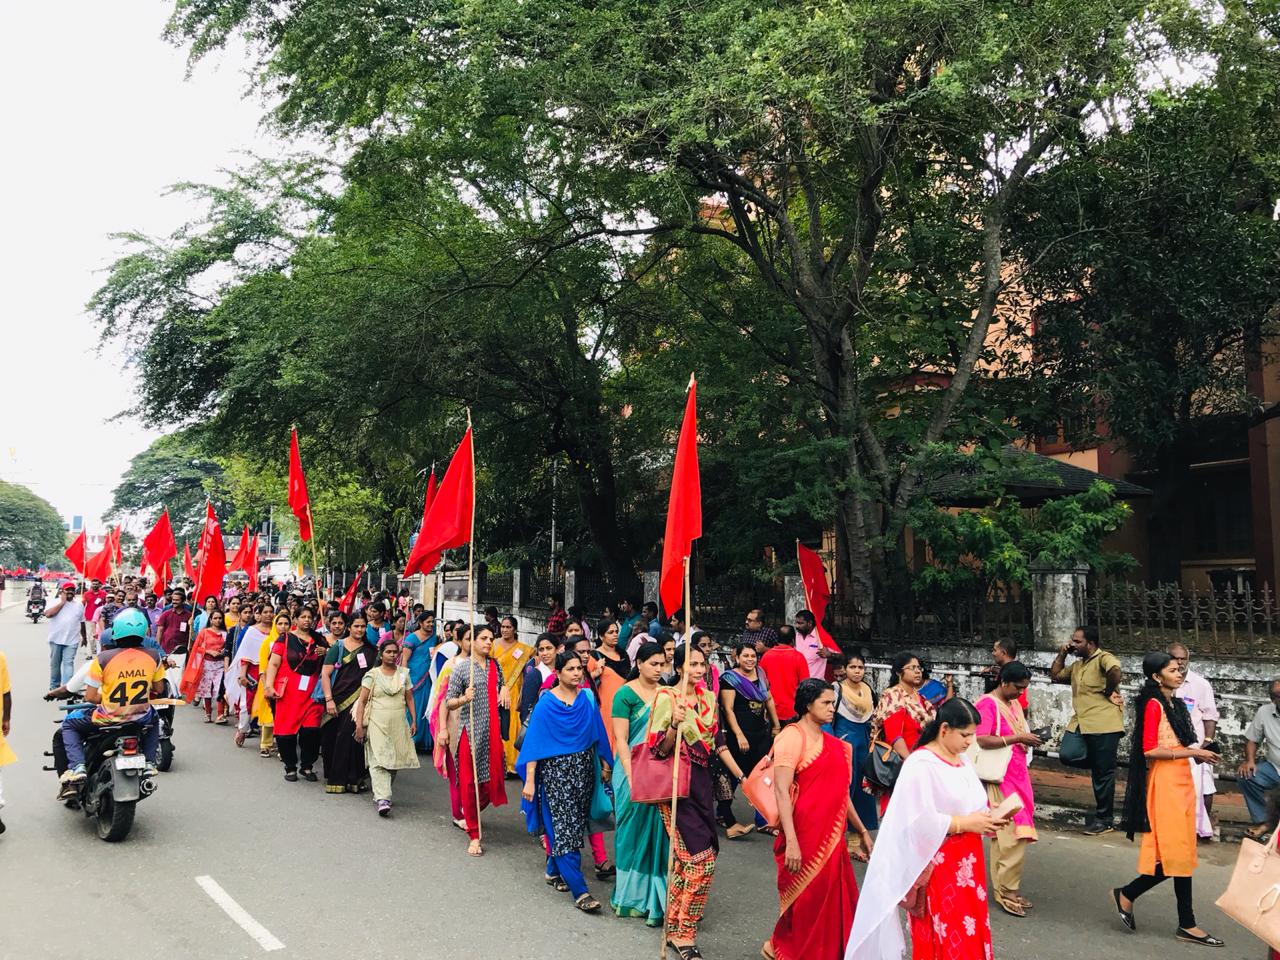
x: 817, y: 892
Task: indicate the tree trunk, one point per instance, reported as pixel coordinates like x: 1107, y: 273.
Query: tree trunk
x: 1164, y: 526
x: 598, y: 500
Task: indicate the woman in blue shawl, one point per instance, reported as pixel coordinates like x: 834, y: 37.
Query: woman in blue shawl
x: 416, y: 655
x: 565, y: 763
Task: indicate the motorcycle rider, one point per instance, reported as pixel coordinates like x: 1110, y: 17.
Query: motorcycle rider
x: 36, y: 592
x: 121, y: 683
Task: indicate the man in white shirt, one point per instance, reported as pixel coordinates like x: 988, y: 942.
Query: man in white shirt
x: 1197, y: 693
x: 66, y: 632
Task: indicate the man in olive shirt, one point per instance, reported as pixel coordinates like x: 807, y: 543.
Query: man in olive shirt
x: 1099, y: 716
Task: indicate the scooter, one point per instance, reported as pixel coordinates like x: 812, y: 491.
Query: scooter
x: 115, y: 779
x: 35, y: 609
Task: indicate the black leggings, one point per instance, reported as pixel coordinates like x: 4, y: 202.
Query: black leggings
x: 308, y: 740
x: 1181, y: 889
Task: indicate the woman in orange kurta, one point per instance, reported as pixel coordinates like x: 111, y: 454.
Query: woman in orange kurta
x: 1160, y: 800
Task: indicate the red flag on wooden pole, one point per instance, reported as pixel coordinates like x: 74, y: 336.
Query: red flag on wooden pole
x: 348, y: 600
x: 251, y: 566
x: 213, y: 563
x: 158, y: 546
x: 299, y: 501
x: 98, y: 567
x: 816, y: 592
x: 240, y: 558
x: 447, y: 523
x: 76, y: 552
x: 684, y: 510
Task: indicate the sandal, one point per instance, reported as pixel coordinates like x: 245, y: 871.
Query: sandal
x: 557, y: 884
x: 738, y: 830
x: 221, y: 721
x: 208, y: 719
x: 688, y: 952
x: 461, y: 825
x: 587, y: 903
x: 606, y: 871
x: 1013, y: 908
x: 1023, y: 901
x: 474, y: 849
x: 239, y: 739
x: 264, y: 752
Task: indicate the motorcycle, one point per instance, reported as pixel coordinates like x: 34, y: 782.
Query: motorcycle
x: 115, y: 779
x: 35, y: 609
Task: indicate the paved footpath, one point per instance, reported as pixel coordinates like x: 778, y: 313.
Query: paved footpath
x: 325, y: 877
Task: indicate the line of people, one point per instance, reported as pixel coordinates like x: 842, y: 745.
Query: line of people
x: 591, y: 731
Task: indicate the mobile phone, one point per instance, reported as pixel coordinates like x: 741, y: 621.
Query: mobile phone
x: 1212, y: 747
x: 1043, y: 732
x: 1008, y: 807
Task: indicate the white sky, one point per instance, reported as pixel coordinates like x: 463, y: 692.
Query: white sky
x: 99, y: 120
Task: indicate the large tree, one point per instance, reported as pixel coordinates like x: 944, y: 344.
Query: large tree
x: 1155, y: 256
x: 864, y: 159
x: 175, y: 472
x: 31, y: 532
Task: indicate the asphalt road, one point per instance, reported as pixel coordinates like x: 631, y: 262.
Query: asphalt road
x: 324, y: 876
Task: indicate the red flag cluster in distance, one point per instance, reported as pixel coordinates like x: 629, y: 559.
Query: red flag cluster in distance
x: 446, y: 521
x: 684, y: 510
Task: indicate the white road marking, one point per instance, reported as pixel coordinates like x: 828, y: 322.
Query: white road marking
x: 238, y: 913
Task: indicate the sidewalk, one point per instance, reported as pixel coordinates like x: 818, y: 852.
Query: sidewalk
x: 1065, y: 795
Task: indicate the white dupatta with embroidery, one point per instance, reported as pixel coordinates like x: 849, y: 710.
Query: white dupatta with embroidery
x: 929, y: 792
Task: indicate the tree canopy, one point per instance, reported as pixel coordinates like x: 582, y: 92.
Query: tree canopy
x: 31, y: 531
x: 551, y: 212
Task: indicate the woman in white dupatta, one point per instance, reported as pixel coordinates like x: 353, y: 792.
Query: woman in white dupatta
x: 928, y: 853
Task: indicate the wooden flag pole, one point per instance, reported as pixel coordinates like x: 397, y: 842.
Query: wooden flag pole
x: 675, y: 760
x: 471, y: 621
x: 315, y: 560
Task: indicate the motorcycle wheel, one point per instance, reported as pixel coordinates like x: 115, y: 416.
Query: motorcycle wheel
x: 166, y: 756
x: 114, y: 820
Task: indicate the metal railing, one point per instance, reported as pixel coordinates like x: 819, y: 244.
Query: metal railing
x: 1228, y: 622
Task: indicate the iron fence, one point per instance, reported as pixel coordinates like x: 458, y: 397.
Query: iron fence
x: 721, y: 603
x: 593, y: 591
x: 496, y: 589
x: 1225, y: 622
x: 543, y: 581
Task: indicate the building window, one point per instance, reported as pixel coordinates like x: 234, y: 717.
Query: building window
x: 1222, y: 514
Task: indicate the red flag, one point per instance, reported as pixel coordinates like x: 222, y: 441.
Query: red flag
x: 684, y: 511
x: 348, y: 601
x: 158, y: 546
x: 448, y: 522
x: 213, y: 565
x: 164, y: 573
x: 426, y: 508
x: 116, y: 556
x: 251, y: 565
x: 187, y: 566
x: 299, y: 502
x: 241, y: 557
x: 75, y: 553
x: 98, y: 567
x: 816, y: 592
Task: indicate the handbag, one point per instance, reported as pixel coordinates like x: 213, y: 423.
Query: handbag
x: 1252, y: 897
x: 758, y: 788
x: 1073, y: 751
x: 991, y: 765
x: 651, y: 774
x: 883, y: 766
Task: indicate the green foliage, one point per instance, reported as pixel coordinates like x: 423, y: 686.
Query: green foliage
x: 31, y: 532
x: 177, y: 473
x: 1002, y: 543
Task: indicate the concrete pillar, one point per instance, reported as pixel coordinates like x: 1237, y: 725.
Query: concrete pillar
x: 793, y: 599
x: 519, y: 588
x: 649, y: 584
x: 570, y: 588
x: 1057, y: 605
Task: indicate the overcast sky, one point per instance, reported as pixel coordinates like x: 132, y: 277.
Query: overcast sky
x: 99, y: 119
